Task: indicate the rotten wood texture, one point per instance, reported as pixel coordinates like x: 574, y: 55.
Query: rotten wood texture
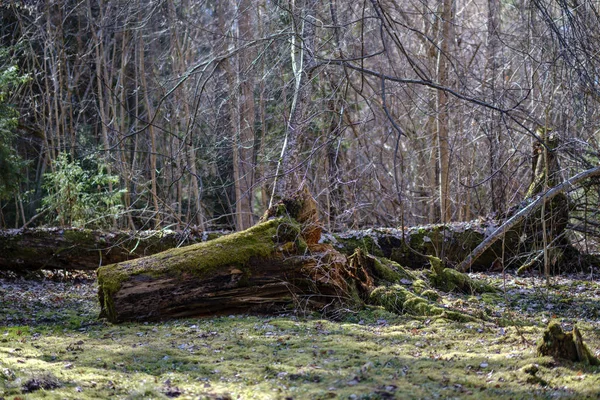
x: 23, y: 250
x: 565, y: 345
x: 259, y: 285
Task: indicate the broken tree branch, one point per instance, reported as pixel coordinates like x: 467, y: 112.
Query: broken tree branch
x: 524, y: 213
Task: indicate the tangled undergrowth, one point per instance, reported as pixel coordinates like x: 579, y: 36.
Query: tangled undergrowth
x: 53, y: 346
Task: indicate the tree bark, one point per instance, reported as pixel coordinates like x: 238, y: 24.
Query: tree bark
x: 443, y: 122
x: 303, y: 62
x: 23, y: 250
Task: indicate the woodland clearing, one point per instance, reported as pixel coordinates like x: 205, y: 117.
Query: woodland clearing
x: 52, y: 345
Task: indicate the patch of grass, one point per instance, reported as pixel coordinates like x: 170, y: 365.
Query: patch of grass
x: 54, y: 347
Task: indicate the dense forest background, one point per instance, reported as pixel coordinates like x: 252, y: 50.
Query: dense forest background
x: 178, y: 114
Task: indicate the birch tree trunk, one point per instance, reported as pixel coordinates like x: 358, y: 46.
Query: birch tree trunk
x: 302, y: 54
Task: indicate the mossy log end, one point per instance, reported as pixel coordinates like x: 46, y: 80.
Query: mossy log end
x: 266, y: 268
x: 565, y: 345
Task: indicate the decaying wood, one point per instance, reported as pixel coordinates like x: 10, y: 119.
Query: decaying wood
x: 525, y: 213
x: 412, y: 246
x: 84, y: 249
x: 278, y: 263
x: 80, y: 249
x: 565, y: 345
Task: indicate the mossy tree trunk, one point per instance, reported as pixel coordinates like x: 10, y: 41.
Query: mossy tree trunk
x: 276, y: 265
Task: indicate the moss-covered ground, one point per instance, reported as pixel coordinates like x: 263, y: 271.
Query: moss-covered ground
x: 53, y: 346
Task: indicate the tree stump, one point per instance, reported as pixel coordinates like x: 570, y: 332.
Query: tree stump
x: 565, y: 346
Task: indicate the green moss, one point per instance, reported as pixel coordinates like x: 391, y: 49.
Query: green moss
x: 235, y: 250
x: 491, y: 298
x: 431, y: 295
x: 419, y: 285
x: 80, y: 236
x: 258, y: 357
x: 365, y: 243
x: 427, y: 240
x: 451, y: 280
x: 400, y: 300
x: 391, y: 271
x: 420, y: 306
x: 392, y: 298
x: 437, y: 266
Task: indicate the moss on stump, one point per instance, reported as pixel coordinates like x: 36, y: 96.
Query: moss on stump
x: 565, y: 345
x: 451, y: 280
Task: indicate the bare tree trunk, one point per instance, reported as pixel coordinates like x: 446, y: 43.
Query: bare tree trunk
x: 126, y: 170
x: 497, y: 181
x: 241, y: 107
x: 149, y: 117
x: 100, y: 68
x: 303, y: 61
x: 443, y: 122
x: 244, y: 149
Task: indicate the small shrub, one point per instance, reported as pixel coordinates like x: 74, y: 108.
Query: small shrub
x: 80, y: 197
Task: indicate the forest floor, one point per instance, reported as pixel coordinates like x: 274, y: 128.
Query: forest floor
x: 52, y: 345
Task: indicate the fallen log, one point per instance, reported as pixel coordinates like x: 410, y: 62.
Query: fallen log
x: 84, y: 249
x: 476, y: 242
x: 452, y: 242
x: 23, y: 250
x: 277, y: 265
x: 267, y: 267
